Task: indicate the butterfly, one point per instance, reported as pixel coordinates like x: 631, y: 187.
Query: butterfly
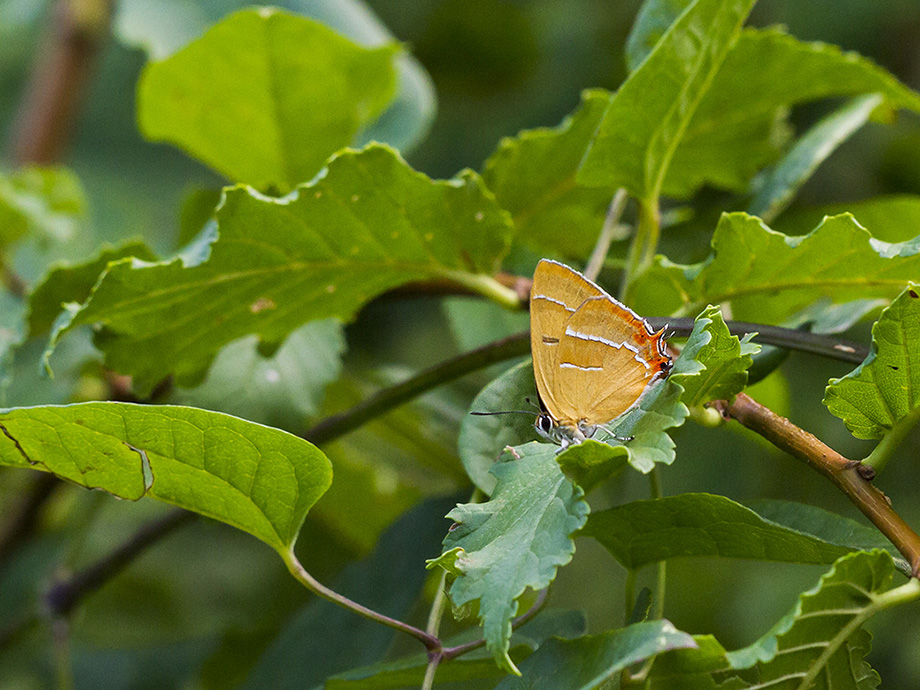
x: 593, y: 358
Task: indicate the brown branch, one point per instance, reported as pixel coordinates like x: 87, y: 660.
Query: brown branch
x: 22, y: 521
x: 64, y: 595
x: 67, y: 53
x: 850, y: 476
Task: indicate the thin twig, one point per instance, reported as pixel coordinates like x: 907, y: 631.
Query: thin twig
x: 23, y: 519
x: 608, y: 232
x: 850, y: 476
x: 461, y: 649
x: 431, y: 642
x: 64, y: 595
x: 388, y: 398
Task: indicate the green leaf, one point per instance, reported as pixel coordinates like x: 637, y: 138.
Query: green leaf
x: 370, y: 224
x: 482, y: 438
x: 533, y: 177
x: 644, y: 532
x: 74, y: 283
x: 720, y: 361
x: 410, y: 671
x: 741, y: 125
x: 265, y: 97
x: 767, y: 276
x: 258, y: 479
x: 883, y: 392
x: 817, y: 641
x: 283, y: 390
x: 12, y: 333
x: 590, y: 661
x: 652, y: 21
x: 777, y: 188
x: 48, y: 202
x: 889, y: 217
x: 650, y: 113
x: 820, y: 644
x: 514, y: 541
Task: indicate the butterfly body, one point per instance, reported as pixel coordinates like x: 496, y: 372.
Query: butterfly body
x: 593, y: 357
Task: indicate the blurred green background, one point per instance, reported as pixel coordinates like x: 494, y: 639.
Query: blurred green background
x: 209, y: 599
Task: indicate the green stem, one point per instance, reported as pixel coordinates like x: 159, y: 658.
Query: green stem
x: 63, y: 669
x: 431, y: 642
x: 437, y: 607
x: 629, y: 596
x: 879, y: 457
x: 433, y: 662
x: 486, y: 286
x: 655, y: 490
x: 644, y: 245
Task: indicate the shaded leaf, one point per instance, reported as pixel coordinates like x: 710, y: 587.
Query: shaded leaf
x: 387, y: 584
x: 370, y: 224
x: 265, y: 97
x: 644, y: 532
x: 48, y: 202
x: 74, y: 283
x: 482, y: 438
x: 588, y: 662
x: 533, y: 177
x: 817, y: 641
x: 778, y: 186
x: 719, y: 360
x: 283, y: 390
x: 12, y: 333
x: 514, y: 541
x: 768, y: 277
x: 884, y: 391
x: 820, y: 644
x: 650, y: 112
x: 258, y: 479
x: 409, y: 672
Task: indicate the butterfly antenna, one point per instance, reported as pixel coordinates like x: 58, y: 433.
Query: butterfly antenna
x: 486, y: 414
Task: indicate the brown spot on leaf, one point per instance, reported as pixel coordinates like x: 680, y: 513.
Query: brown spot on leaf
x: 262, y: 304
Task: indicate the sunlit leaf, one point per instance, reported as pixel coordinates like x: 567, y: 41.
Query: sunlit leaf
x: 884, y: 391
x: 265, y: 96
x: 644, y: 532
x: 515, y: 541
x: 256, y: 478
x: 768, y: 277
x: 533, y: 177
x: 651, y: 111
x: 74, y: 283
x: 591, y: 661
x: 370, y: 224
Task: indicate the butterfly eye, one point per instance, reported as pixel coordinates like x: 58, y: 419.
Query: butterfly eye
x: 544, y: 423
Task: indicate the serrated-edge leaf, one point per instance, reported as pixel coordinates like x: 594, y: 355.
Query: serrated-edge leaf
x: 368, y: 224
x: 768, y: 276
x: 515, y: 541
x: 73, y: 282
x: 721, y: 360
x: 884, y: 391
x: 258, y: 479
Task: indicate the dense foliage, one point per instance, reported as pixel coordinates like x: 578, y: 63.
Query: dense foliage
x: 295, y: 356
